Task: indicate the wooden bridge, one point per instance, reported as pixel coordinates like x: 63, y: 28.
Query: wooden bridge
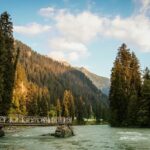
x: 20, y: 120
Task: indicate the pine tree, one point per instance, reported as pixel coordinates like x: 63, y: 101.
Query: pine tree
x: 144, y: 109
x: 98, y: 113
x: 2, y: 66
x: 71, y: 106
x: 19, y: 92
x: 43, y: 100
x: 8, y: 72
x: 33, y: 97
x: 58, y: 108
x: 125, y: 88
x: 135, y: 91
x: 65, y: 109
x: 89, y: 111
x: 80, y: 110
x: 68, y: 109
x: 119, y: 88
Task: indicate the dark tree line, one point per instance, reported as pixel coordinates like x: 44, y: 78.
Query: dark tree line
x: 129, y: 106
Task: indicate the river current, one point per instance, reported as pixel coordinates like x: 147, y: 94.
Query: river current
x: 90, y: 137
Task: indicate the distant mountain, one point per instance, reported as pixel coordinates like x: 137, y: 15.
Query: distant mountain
x: 100, y: 82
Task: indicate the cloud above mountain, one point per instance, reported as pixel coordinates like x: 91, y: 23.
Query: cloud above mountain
x: 76, y: 30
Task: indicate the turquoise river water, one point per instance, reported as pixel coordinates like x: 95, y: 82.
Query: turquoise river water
x: 94, y: 137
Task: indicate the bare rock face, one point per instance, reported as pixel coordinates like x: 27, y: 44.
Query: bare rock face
x: 64, y: 131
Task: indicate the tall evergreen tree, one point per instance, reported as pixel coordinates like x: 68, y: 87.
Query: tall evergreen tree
x: 33, y: 97
x: 80, y: 110
x: 125, y: 88
x: 2, y: 66
x: 19, y: 92
x: 8, y: 64
x: 68, y: 105
x: 72, y: 107
x: 65, y: 109
x: 98, y: 114
x: 58, y: 108
x: 144, y: 109
x: 135, y: 91
x: 89, y: 111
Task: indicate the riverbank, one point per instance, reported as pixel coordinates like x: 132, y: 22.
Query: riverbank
x: 14, y: 129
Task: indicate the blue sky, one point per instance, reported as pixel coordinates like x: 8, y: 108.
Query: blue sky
x: 83, y: 32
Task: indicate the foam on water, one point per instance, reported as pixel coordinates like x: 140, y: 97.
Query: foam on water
x: 16, y: 135
x: 130, y: 133
x: 132, y: 136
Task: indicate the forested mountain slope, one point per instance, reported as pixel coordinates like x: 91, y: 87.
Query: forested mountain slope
x: 55, y: 78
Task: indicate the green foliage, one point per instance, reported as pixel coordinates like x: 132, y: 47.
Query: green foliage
x: 58, y: 108
x: 125, y: 89
x: 52, y: 112
x: 19, y: 92
x: 80, y: 110
x: 144, y: 109
x: 8, y: 61
x: 38, y: 100
x: 89, y: 111
x: 68, y: 109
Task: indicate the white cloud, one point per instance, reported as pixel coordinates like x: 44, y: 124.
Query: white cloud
x: 135, y: 29
x: 82, y: 27
x: 77, y: 30
x: 143, y: 6
x: 32, y: 29
x: 86, y: 26
x: 63, y: 49
x: 49, y: 12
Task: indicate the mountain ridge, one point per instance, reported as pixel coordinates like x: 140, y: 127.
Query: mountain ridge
x: 102, y: 83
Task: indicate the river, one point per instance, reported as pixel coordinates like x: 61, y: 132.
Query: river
x: 94, y: 137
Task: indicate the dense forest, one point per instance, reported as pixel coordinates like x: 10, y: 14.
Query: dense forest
x: 33, y: 84
x: 53, y: 80
x: 129, y: 91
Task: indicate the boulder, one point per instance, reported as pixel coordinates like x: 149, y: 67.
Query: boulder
x: 63, y: 131
x: 2, y: 133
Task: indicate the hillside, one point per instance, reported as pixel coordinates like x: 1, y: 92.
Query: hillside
x: 100, y: 82
x: 56, y: 77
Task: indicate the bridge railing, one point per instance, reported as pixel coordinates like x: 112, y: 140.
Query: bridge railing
x: 35, y: 120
